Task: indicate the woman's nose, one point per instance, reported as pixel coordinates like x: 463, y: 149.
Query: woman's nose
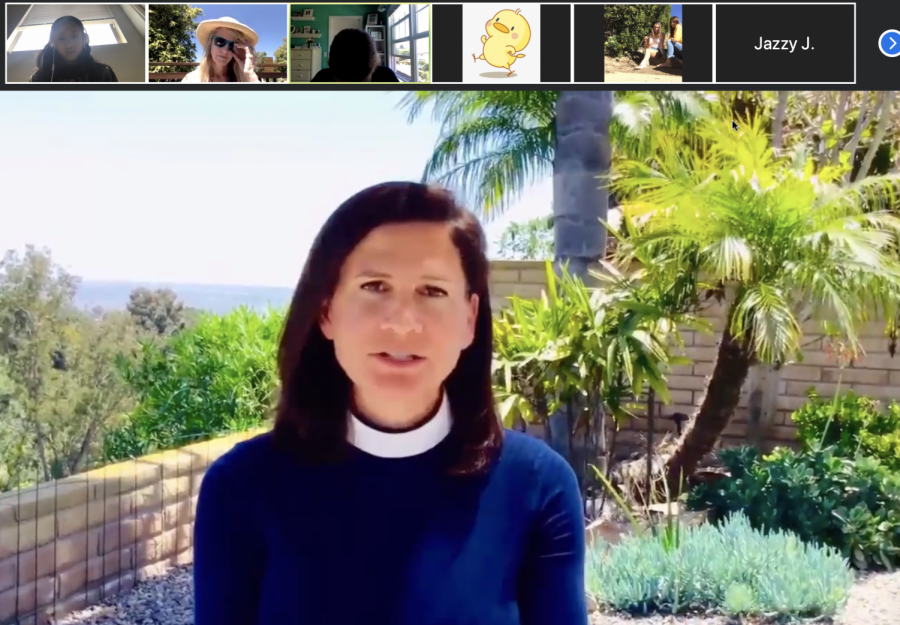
x: 401, y: 317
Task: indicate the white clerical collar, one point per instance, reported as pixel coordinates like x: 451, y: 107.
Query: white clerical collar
x: 401, y: 444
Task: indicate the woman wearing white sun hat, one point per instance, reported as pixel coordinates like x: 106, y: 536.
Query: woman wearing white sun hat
x: 228, y: 52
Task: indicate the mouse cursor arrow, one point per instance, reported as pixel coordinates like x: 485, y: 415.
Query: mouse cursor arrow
x: 734, y: 125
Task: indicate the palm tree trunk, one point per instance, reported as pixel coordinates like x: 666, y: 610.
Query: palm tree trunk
x: 778, y: 123
x: 706, y: 427
x: 762, y: 383
x: 580, y: 201
x: 582, y: 155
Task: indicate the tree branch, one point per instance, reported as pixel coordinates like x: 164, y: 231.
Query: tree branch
x: 887, y: 100
x: 778, y: 123
x: 840, y: 114
x: 865, y: 117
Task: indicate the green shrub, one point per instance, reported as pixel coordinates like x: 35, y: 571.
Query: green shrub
x: 217, y: 377
x: 851, y: 505
x: 729, y: 567
x: 852, y: 424
x: 625, y: 26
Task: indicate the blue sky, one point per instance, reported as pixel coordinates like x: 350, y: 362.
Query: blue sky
x: 268, y: 20
x: 677, y: 12
x: 200, y: 187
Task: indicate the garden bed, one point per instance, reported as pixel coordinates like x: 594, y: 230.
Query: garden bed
x: 874, y: 600
x: 168, y: 600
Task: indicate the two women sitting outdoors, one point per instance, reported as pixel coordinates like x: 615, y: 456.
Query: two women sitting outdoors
x: 657, y: 43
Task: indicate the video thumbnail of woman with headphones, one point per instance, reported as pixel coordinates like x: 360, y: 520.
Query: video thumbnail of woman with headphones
x: 67, y: 56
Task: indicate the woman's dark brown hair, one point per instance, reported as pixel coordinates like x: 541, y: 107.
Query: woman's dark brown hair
x: 311, y: 419
x: 353, y: 56
x: 673, y: 24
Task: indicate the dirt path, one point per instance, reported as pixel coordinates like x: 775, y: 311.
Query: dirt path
x: 624, y: 70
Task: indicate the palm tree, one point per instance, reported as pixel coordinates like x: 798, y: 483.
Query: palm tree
x: 781, y: 242
x: 494, y: 144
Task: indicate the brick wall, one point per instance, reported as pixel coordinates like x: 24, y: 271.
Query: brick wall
x: 876, y: 374
x: 67, y: 544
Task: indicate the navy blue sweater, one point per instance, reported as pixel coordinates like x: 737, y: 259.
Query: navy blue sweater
x: 389, y: 541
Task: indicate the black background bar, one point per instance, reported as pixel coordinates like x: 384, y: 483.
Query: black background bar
x: 698, y: 56
x: 446, y: 43
x: 589, y: 52
x: 556, y: 50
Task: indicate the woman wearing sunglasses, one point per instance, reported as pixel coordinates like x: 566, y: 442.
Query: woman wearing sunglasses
x: 228, y: 53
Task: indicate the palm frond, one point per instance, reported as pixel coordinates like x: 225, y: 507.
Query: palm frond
x: 871, y: 194
x: 731, y: 257
x: 491, y: 161
x: 787, y: 238
x: 763, y: 314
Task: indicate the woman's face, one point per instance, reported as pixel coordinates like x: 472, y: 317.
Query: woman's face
x: 222, y: 55
x: 672, y: 23
x: 400, y: 316
x: 656, y: 28
x: 69, y: 41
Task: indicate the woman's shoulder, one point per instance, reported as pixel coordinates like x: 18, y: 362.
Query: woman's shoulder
x: 193, y: 76
x: 526, y: 454
x: 246, y: 458
x: 323, y: 75
x: 541, y: 478
x: 383, y: 73
x: 104, y: 72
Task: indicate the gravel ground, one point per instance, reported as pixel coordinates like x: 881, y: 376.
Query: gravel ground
x: 874, y: 600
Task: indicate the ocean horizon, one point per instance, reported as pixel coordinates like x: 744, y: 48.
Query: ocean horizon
x: 219, y: 299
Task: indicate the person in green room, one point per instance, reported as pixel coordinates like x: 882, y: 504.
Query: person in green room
x: 353, y: 57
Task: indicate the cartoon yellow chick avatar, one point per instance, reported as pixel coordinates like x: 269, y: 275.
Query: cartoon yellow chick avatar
x: 507, y: 34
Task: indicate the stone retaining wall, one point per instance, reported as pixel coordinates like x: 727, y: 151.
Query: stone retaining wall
x: 68, y: 544
x: 877, y: 374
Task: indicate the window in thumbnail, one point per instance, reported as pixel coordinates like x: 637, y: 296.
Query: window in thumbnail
x: 410, y: 50
x: 76, y: 43
x: 205, y: 43
x: 33, y: 32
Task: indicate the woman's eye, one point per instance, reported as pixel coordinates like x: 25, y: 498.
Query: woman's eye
x: 433, y: 291
x: 376, y: 286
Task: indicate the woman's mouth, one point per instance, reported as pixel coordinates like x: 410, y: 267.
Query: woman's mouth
x: 398, y: 359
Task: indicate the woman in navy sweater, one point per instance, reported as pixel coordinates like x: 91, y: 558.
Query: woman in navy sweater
x: 388, y: 492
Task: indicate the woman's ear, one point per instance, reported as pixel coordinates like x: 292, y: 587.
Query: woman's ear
x: 471, y: 319
x: 325, y: 322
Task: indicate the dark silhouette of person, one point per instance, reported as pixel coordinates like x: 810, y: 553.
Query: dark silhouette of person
x: 354, y: 58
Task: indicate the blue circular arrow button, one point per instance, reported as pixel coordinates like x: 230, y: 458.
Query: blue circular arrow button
x: 889, y: 43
